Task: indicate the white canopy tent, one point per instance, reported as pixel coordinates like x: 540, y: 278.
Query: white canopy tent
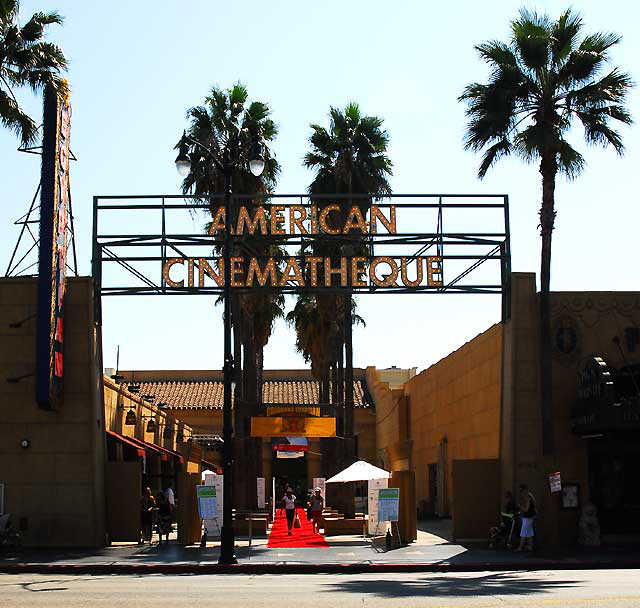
x: 359, y: 471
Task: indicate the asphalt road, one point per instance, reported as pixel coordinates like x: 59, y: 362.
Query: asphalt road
x: 569, y: 588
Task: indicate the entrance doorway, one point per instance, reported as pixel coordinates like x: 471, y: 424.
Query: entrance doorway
x: 613, y: 481
x: 290, y: 472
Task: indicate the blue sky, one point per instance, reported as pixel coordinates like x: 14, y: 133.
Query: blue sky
x: 135, y: 68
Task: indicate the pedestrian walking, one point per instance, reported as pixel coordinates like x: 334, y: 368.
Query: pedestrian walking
x: 289, y: 501
x: 316, y: 504
x: 528, y: 512
x: 147, y: 505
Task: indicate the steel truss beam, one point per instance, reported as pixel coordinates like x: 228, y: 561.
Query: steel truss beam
x: 134, y: 252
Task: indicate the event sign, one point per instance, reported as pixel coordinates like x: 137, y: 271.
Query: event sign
x: 292, y: 426
x: 375, y: 525
x: 207, y: 503
x: 319, y: 482
x: 52, y: 256
x: 260, y: 487
x: 215, y: 522
x: 388, y: 504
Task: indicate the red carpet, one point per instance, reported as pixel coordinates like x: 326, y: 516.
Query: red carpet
x: 300, y: 537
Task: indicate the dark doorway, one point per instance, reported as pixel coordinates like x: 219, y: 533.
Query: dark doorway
x: 433, y: 490
x: 614, y: 481
x: 290, y: 472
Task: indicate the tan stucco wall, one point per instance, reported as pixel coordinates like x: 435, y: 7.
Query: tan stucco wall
x: 56, y: 485
x: 458, y: 398
x: 391, y: 435
x: 598, y: 317
x: 117, y: 402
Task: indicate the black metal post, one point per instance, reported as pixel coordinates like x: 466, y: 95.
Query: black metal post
x: 227, y: 535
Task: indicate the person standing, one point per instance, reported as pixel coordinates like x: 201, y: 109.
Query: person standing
x: 147, y: 505
x: 165, y: 516
x: 317, y: 504
x: 289, y: 501
x: 528, y: 512
x: 170, y: 496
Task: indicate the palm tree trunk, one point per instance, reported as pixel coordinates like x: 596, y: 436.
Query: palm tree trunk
x: 548, y: 169
x: 349, y: 443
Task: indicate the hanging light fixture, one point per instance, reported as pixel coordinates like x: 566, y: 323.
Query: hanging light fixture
x: 130, y: 418
x: 256, y: 160
x: 151, y: 425
x: 183, y: 162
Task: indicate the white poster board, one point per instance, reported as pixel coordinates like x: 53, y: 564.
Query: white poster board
x: 388, y: 504
x: 207, y: 503
x: 375, y: 526
x: 211, y: 479
x: 318, y: 482
x: 273, y: 498
x: 260, y: 489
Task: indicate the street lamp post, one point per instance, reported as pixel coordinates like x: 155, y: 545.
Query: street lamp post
x: 256, y: 165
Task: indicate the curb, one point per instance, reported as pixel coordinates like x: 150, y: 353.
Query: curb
x: 282, y: 568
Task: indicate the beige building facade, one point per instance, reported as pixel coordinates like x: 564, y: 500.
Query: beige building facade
x: 469, y: 426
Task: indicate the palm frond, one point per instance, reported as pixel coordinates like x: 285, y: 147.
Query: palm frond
x: 563, y: 36
x: 13, y: 118
x: 494, y: 153
x: 531, y: 38
x: 570, y: 161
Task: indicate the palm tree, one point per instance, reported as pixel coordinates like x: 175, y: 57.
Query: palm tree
x: 225, y: 126
x: 544, y: 78
x: 26, y: 60
x: 349, y: 158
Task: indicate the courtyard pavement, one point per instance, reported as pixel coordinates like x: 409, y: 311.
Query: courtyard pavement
x: 432, y: 552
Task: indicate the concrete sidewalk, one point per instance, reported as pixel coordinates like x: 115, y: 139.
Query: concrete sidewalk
x: 430, y: 553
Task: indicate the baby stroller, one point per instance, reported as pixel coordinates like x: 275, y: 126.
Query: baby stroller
x: 9, y: 536
x: 501, y: 536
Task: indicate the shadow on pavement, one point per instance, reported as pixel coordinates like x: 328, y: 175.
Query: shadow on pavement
x: 458, y: 586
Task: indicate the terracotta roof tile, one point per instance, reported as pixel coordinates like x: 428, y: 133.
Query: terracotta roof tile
x: 210, y: 395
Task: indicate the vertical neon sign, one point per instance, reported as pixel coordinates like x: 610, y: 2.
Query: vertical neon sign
x: 54, y: 213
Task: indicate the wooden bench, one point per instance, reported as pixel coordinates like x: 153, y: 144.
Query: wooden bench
x: 259, y: 526
x: 334, y: 526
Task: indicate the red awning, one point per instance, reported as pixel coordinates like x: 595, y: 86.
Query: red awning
x: 212, y: 467
x: 126, y: 441
x: 158, y: 449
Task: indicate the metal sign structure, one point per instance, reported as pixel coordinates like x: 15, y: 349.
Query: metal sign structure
x: 413, y: 243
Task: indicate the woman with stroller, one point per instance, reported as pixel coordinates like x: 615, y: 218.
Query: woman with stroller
x: 528, y: 512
